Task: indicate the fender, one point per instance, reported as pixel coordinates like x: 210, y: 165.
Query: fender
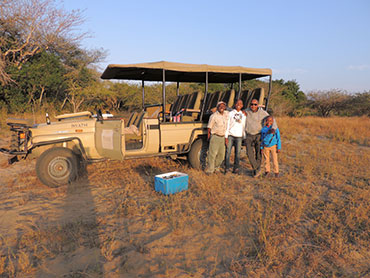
x: 45, y: 143
x: 58, y: 141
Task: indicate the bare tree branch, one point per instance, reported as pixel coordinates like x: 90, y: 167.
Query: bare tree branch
x: 327, y: 101
x: 28, y: 27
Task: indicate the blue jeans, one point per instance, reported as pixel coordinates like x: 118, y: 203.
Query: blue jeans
x: 237, y: 143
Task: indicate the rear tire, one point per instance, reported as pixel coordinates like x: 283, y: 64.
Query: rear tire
x: 198, y: 154
x: 57, y: 166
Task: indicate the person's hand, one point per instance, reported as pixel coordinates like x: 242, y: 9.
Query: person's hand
x: 271, y: 131
x: 278, y: 151
x: 208, y: 137
x: 226, y: 141
x: 245, y: 113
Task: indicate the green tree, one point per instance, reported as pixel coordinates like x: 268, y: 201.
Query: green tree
x: 357, y: 105
x: 40, y: 77
x: 293, y: 93
x: 81, y: 88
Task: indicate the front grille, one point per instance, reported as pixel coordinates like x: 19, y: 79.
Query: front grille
x: 19, y: 143
x: 14, y: 141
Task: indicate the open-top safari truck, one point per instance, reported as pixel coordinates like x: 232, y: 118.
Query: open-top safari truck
x: 158, y: 130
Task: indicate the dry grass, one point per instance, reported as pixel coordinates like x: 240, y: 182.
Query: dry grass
x: 314, y: 221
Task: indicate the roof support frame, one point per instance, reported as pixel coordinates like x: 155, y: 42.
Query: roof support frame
x: 240, y: 85
x: 205, y: 97
x: 269, y: 93
x: 164, y: 94
x: 143, y: 91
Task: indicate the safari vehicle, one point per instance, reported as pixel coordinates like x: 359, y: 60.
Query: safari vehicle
x: 179, y: 129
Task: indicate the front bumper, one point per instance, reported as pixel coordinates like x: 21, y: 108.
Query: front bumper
x: 9, y: 152
x: 14, y: 155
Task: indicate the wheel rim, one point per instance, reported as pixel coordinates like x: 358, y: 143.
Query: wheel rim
x: 59, y: 168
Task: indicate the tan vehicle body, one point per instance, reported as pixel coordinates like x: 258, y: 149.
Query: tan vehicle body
x: 106, y: 139
x: 61, y: 146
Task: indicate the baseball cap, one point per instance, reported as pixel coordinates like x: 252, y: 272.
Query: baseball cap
x: 220, y: 102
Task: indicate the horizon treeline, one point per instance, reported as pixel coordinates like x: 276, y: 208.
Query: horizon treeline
x: 45, y: 83
x: 43, y: 68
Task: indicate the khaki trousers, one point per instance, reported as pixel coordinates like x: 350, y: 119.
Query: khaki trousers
x: 216, y: 152
x: 266, y: 155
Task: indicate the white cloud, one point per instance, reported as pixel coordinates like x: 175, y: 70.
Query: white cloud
x: 359, y: 67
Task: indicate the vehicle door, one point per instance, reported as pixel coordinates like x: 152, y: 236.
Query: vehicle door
x: 110, y: 138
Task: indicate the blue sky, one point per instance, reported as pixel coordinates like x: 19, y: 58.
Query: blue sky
x: 321, y: 44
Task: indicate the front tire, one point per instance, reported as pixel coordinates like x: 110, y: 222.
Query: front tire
x: 198, y: 154
x: 57, y: 166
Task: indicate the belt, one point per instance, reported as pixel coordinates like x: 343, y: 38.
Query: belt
x: 218, y: 135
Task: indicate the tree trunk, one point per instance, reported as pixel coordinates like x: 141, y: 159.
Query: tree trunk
x: 79, y: 104
x: 41, y: 95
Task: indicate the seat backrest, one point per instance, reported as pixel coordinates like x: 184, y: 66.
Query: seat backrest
x: 152, y: 111
x: 244, y: 97
x: 257, y: 93
x: 192, y: 110
x: 212, y: 100
x: 175, y: 106
x: 250, y: 97
x: 132, y: 118
x: 138, y: 123
x: 139, y: 119
x: 228, y: 97
x: 184, y: 102
x: 181, y: 104
x: 194, y: 101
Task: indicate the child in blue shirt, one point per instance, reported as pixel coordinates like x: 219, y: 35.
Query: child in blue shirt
x: 270, y: 143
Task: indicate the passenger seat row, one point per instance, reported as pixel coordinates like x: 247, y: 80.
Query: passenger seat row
x: 186, y: 108
x: 247, y: 96
x: 134, y: 128
x: 213, y: 98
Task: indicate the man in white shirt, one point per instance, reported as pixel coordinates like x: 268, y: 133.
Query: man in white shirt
x: 234, y: 134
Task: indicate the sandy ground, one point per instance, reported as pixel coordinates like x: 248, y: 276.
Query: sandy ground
x: 111, y: 222
x: 81, y: 236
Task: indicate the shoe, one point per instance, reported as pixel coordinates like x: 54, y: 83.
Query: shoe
x: 236, y: 171
x: 276, y: 175
x: 267, y: 174
x: 208, y: 172
x: 258, y: 173
x: 227, y: 170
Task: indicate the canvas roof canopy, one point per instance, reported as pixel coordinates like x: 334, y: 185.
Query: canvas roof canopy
x: 179, y: 72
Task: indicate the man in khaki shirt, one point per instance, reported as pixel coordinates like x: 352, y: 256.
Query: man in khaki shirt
x: 216, y: 135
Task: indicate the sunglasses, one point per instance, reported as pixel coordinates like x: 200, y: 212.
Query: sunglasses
x: 254, y: 104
